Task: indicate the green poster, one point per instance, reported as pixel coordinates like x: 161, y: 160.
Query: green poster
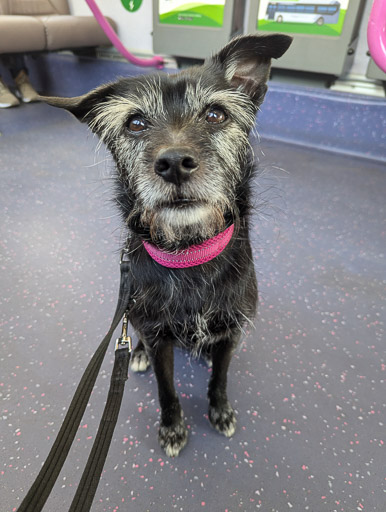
x: 318, y: 17
x: 181, y: 12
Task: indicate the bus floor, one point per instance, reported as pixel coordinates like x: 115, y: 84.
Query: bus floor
x: 308, y: 383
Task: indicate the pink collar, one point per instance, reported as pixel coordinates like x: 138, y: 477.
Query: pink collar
x: 194, y: 255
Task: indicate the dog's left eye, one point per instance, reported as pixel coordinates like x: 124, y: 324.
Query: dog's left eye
x: 216, y: 115
x: 137, y: 124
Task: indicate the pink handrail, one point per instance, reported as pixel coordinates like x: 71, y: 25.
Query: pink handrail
x: 109, y: 31
x: 376, y: 33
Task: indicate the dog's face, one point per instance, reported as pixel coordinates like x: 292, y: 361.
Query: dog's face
x: 180, y: 141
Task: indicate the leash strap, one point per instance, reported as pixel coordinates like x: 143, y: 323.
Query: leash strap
x: 45, y: 481
x: 91, y: 475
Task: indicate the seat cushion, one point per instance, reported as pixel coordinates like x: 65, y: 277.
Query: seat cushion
x: 73, y: 32
x: 21, y: 34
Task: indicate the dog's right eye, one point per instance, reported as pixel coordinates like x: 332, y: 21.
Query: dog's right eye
x: 137, y: 124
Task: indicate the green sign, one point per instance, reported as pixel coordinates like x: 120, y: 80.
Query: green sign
x: 181, y: 12
x: 131, y: 5
x: 318, y: 17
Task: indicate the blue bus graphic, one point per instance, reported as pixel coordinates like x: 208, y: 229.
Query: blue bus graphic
x: 305, y: 12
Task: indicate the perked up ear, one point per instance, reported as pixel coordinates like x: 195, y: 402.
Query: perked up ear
x: 246, y: 62
x: 82, y: 107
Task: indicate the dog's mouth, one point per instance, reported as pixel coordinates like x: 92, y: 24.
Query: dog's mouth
x: 179, y: 203
x: 182, y: 202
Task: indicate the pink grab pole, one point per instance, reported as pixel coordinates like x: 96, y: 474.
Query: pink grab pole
x: 376, y: 33
x: 109, y: 31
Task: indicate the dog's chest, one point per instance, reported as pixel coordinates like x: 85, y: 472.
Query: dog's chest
x: 193, y: 313
x: 196, y: 327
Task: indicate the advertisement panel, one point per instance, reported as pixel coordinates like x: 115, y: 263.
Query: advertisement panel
x: 317, y: 17
x: 198, y: 14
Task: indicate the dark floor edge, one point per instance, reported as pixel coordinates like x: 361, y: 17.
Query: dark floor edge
x: 379, y: 159
x: 336, y: 122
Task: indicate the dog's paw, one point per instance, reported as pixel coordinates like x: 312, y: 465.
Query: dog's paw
x: 223, y: 419
x: 173, y: 439
x: 139, y: 361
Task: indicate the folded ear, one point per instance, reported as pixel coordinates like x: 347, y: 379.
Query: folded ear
x: 246, y: 62
x: 82, y: 107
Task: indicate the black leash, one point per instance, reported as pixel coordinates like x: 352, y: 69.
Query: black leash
x: 45, y: 481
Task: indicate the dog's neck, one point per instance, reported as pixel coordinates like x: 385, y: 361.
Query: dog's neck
x: 193, y: 255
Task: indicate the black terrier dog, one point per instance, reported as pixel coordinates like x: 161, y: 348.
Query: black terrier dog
x: 184, y: 169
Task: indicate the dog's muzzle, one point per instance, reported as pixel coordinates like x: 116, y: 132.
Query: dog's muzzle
x: 176, y: 165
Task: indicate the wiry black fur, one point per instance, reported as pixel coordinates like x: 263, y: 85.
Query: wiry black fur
x: 203, y: 308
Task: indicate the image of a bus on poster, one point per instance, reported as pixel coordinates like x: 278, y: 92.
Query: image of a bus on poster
x: 303, y: 16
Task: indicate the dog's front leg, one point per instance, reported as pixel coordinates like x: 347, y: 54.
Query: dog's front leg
x: 221, y: 413
x: 172, y: 434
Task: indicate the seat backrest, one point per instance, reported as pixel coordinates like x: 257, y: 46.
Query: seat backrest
x: 34, y: 7
x: 4, y: 7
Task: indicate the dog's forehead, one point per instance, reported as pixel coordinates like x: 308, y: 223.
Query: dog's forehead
x: 187, y: 93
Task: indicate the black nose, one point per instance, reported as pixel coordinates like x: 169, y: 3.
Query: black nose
x: 176, y: 165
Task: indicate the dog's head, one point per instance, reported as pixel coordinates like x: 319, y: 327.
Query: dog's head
x: 180, y: 141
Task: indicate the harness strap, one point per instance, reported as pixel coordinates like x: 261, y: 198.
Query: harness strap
x: 45, y: 481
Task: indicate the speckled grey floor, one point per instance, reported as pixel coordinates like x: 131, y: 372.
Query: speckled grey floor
x: 308, y: 384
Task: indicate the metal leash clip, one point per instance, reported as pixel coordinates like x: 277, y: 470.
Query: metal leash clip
x: 124, y: 252
x: 124, y: 341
